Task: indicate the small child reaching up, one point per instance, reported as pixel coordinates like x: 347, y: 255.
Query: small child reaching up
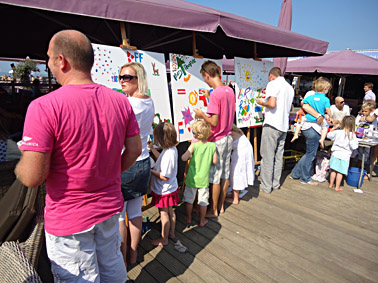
x: 164, y: 182
x: 242, y: 164
x: 320, y: 102
x: 362, y: 126
x: 203, y: 154
x: 345, y: 141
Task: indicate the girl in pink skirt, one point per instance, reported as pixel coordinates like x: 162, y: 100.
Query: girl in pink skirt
x: 164, y: 182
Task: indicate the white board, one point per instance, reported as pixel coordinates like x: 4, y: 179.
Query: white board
x: 109, y: 60
x: 186, y: 82
x: 251, y: 78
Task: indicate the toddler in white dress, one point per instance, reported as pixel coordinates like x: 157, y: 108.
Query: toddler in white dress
x: 242, y: 165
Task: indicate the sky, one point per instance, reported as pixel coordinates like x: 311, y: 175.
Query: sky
x: 344, y: 24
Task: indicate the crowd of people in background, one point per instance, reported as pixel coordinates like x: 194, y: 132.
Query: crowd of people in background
x: 90, y: 144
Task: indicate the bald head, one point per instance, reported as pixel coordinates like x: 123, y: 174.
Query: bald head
x: 75, y: 47
x: 339, y: 102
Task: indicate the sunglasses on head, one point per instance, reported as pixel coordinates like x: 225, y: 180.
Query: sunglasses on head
x: 127, y: 78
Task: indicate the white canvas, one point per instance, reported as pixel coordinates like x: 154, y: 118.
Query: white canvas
x: 186, y: 82
x: 251, y: 78
x: 108, y: 61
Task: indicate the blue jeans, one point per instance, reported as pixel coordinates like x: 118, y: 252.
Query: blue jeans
x: 303, y: 168
x: 135, y: 180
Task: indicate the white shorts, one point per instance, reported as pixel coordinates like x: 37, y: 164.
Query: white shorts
x: 133, y: 207
x: 221, y: 170
x: 203, y: 195
x: 92, y: 255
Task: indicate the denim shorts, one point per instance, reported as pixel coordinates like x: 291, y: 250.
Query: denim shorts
x: 135, y: 180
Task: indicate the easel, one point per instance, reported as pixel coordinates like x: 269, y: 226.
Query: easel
x: 125, y: 41
x: 254, y: 142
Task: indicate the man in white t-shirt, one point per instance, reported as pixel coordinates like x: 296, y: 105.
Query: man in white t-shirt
x: 280, y: 96
x: 339, y: 110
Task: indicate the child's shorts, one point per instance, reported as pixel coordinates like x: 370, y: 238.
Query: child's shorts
x: 359, y: 151
x: 203, y: 195
x: 339, y: 165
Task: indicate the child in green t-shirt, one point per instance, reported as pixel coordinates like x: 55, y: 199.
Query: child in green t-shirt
x: 203, y: 154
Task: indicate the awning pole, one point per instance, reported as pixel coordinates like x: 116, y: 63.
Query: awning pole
x: 195, y: 50
x: 255, y: 57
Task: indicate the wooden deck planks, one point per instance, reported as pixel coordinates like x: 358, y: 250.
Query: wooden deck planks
x: 297, y: 234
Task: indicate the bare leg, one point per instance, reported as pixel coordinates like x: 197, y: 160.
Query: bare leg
x: 123, y: 232
x: 234, y: 199
x: 189, y: 209
x: 296, y: 133
x: 172, y: 221
x: 339, y: 178
x: 332, y: 179
x: 135, y: 228
x: 323, y: 137
x: 215, y: 192
x: 203, y: 220
x: 165, y: 226
x: 223, y: 192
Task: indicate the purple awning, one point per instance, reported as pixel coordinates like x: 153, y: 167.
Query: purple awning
x: 343, y: 62
x: 157, y: 26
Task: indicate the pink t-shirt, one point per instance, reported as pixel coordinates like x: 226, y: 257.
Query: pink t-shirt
x: 84, y: 128
x: 222, y: 103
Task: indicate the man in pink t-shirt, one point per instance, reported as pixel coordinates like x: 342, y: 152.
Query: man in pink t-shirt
x: 73, y: 138
x: 220, y: 116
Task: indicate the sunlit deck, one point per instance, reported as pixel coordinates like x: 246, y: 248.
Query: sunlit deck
x: 300, y: 233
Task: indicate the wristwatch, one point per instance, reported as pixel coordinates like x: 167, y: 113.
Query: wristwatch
x: 319, y: 115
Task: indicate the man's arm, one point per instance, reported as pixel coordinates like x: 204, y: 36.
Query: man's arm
x: 212, y: 120
x: 132, y: 151
x: 306, y: 107
x: 33, y: 168
x: 271, y: 103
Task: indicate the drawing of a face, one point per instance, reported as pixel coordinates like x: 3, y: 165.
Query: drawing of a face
x: 247, y: 76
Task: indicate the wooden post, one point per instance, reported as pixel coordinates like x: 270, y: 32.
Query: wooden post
x: 254, y: 143
x: 125, y: 41
x: 255, y: 57
x: 194, y: 44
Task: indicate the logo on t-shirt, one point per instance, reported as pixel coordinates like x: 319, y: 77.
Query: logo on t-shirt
x: 28, y: 141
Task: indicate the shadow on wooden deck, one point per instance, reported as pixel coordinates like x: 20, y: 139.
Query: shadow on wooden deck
x: 300, y: 233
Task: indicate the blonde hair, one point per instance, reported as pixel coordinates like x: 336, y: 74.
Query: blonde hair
x: 322, y: 84
x: 140, y: 72
x: 165, y: 135
x: 369, y: 105
x: 236, y: 130
x: 202, y: 129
